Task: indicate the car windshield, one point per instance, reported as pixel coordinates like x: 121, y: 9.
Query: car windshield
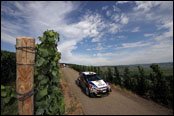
x: 93, y: 77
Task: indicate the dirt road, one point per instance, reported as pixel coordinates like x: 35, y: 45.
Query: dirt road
x: 117, y: 103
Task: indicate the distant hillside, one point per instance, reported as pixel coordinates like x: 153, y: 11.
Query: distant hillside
x: 166, y: 67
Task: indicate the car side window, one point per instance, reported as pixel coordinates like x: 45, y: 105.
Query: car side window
x: 81, y: 76
x: 85, y: 78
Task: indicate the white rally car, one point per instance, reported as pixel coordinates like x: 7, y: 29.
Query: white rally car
x: 93, y: 84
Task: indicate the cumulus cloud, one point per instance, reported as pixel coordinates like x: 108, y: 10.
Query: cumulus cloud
x: 146, y: 6
x: 8, y: 38
x: 114, y: 28
x: 124, y: 19
x: 133, y: 45
x: 104, y: 7
x: 136, y: 29
x: 99, y: 47
x: 108, y: 13
x: 116, y: 9
x: 148, y: 35
x: 122, y: 2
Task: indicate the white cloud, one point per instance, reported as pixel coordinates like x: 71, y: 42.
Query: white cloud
x: 115, y: 17
x: 116, y: 9
x: 167, y: 34
x: 104, y: 7
x: 105, y: 54
x: 133, y: 45
x: 85, y: 59
x: 136, y: 29
x: 35, y: 17
x: 146, y: 6
x: 99, y: 47
x: 97, y: 39
x: 151, y: 11
x: 121, y: 36
x: 154, y: 53
x: 114, y: 28
x: 149, y: 35
x: 122, y: 2
x: 8, y: 38
x: 108, y: 13
x: 89, y: 49
x: 119, y: 21
x: 124, y: 19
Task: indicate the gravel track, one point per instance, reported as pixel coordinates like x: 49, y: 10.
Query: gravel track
x: 116, y: 103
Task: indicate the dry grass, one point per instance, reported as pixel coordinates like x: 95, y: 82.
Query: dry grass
x: 72, y: 106
x: 128, y: 92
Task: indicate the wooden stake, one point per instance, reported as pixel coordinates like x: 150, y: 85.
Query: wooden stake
x: 25, y: 60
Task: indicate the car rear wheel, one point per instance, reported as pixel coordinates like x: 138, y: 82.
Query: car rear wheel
x: 87, y: 91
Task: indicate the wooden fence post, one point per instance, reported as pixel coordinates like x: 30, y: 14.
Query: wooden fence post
x: 25, y: 60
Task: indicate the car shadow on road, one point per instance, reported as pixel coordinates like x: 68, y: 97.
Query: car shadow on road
x: 83, y: 91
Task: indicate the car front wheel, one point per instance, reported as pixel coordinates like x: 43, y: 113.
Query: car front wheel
x: 77, y: 82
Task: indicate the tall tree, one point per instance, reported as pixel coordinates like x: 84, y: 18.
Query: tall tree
x: 95, y: 69
x: 142, y: 83
x: 102, y: 74
x: 117, y: 79
x: 159, y: 84
x: 98, y: 69
x: 109, y: 75
x: 127, y: 78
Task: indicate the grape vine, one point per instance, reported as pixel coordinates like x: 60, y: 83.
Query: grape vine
x: 48, y: 97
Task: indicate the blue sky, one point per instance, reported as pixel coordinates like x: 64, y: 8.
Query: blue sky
x: 95, y: 32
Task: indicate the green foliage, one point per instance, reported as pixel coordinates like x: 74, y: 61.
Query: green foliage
x: 92, y: 68
x: 48, y: 97
x: 95, y: 69
x: 98, y: 70
x: 8, y: 77
x: 117, y: 79
x: 109, y: 76
x: 8, y: 67
x: 142, y: 82
x: 8, y: 101
x: 127, y: 78
x: 160, y: 87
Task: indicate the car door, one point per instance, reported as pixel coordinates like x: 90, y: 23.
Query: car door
x: 83, y: 83
x: 81, y: 80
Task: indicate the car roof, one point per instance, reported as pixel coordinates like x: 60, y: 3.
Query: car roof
x: 88, y: 73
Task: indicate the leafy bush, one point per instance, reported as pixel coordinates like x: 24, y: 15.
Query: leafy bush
x: 8, y: 101
x: 8, y: 67
x: 48, y: 97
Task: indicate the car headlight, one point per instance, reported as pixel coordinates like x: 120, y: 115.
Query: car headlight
x: 92, y: 87
x: 108, y: 85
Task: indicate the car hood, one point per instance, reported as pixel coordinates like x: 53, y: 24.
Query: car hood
x: 99, y: 83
